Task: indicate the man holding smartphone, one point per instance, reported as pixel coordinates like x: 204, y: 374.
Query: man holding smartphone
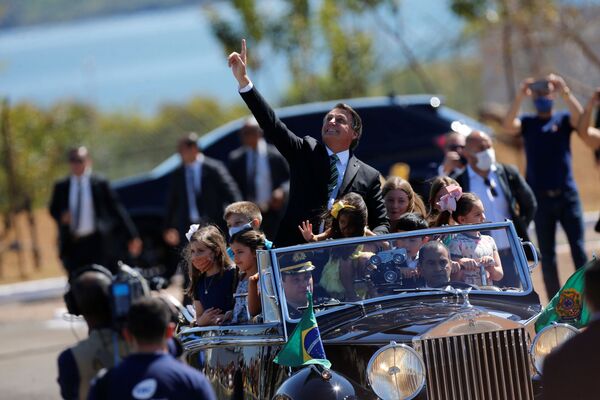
x: 454, y: 160
x: 546, y: 135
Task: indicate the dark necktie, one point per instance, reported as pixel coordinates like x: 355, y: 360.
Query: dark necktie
x: 333, y: 174
x: 492, y: 186
x: 250, y: 176
x: 191, y: 181
x: 77, y: 208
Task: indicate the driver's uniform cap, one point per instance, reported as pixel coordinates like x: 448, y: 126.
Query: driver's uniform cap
x: 296, y: 263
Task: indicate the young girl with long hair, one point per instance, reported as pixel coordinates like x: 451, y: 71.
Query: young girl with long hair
x: 446, y: 188
x: 347, y: 218
x: 475, y: 253
x: 400, y: 198
x: 244, y: 245
x: 212, y: 277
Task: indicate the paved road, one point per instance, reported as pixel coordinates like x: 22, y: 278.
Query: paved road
x: 31, y: 337
x: 32, y: 334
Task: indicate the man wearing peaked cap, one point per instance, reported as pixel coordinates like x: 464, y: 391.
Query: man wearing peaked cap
x: 297, y: 279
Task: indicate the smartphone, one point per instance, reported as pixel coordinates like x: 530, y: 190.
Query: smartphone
x: 540, y: 86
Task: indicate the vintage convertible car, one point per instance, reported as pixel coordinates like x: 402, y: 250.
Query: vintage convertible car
x: 390, y: 331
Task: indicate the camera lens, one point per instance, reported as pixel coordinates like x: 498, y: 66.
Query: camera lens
x: 375, y: 260
x: 390, y: 276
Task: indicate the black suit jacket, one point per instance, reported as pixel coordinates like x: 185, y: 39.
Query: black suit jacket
x: 571, y: 371
x: 280, y: 171
x: 217, y: 191
x: 309, y: 175
x: 519, y: 196
x: 110, y: 215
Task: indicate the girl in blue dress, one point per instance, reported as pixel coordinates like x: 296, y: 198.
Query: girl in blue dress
x: 212, y: 277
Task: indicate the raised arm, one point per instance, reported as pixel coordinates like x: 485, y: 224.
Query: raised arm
x: 275, y: 131
x: 511, y: 123
x: 587, y: 133
x: 571, y: 101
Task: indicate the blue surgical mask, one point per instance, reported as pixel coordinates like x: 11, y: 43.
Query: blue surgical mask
x: 543, y: 104
x: 235, y: 229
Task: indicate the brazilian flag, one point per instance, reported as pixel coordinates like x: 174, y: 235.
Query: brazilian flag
x: 304, y: 345
x: 568, y: 305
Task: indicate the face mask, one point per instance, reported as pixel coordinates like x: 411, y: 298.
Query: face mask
x: 543, y: 104
x: 485, y: 159
x: 235, y: 229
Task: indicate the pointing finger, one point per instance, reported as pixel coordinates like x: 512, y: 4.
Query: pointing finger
x: 243, y: 53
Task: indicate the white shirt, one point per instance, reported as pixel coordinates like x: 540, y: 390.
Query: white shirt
x: 496, y: 208
x: 195, y: 169
x: 262, y: 174
x: 341, y: 164
x: 86, y: 225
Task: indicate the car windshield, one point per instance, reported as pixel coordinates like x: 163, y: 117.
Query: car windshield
x: 485, y: 257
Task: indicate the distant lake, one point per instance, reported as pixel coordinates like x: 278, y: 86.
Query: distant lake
x: 137, y: 62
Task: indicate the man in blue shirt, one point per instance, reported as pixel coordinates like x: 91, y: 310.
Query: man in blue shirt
x: 547, y: 136
x: 150, y: 372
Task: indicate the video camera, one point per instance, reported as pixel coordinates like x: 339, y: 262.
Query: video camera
x: 126, y: 286
x: 387, y: 266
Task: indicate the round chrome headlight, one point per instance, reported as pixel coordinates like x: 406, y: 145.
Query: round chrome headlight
x: 396, y: 371
x: 547, y: 339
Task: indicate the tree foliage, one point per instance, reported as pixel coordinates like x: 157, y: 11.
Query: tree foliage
x: 530, y: 32
x: 305, y: 31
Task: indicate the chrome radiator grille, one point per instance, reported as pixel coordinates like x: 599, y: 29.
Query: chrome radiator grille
x: 490, y: 365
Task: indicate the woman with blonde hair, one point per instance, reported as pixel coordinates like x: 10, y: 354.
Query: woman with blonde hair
x: 400, y: 198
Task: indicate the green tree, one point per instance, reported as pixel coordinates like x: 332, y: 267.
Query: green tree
x: 529, y: 32
x: 306, y: 31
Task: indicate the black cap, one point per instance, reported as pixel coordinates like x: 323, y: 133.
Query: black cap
x: 296, y: 262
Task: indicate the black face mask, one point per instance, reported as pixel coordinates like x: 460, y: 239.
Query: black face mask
x: 463, y: 160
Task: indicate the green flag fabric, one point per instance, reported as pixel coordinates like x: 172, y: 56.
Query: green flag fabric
x: 304, y: 345
x: 568, y: 305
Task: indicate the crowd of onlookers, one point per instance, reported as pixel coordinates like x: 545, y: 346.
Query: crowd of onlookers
x: 217, y: 218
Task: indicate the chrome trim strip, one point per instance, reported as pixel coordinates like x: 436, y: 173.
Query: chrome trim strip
x: 451, y: 364
x: 509, y: 366
x: 514, y: 339
x: 454, y: 341
x: 501, y: 363
x: 436, y: 369
x: 214, y: 342
x: 465, y: 361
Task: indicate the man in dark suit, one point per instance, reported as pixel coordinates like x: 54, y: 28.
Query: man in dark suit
x: 200, y: 190
x: 320, y: 172
x: 89, y: 217
x: 262, y: 175
x: 503, y: 192
x: 571, y: 370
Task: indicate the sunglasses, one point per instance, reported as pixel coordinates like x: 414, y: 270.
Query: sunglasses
x: 455, y: 147
x: 76, y: 161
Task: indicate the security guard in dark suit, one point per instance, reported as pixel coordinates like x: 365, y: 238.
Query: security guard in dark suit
x: 90, y: 218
